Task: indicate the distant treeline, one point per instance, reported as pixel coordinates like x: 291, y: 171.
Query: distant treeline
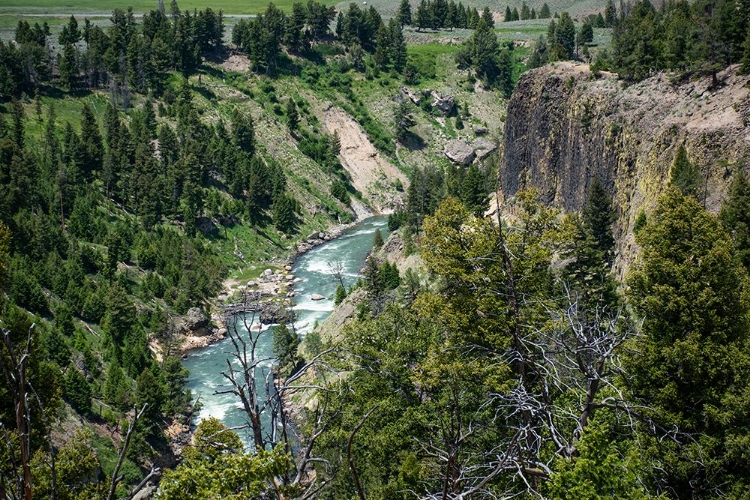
x: 702, y: 36
x: 131, y: 57
x: 705, y: 36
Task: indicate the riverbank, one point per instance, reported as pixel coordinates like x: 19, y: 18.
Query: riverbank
x: 276, y: 288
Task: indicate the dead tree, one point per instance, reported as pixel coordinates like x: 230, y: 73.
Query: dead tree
x: 261, y: 394
x: 116, y: 477
x: 14, y: 370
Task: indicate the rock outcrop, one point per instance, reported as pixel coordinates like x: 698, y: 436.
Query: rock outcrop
x: 459, y: 151
x: 565, y: 127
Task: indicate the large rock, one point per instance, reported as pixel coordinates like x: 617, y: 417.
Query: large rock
x: 459, y: 151
x: 483, y: 148
x: 412, y: 95
x: 316, y: 296
x: 274, y: 312
x: 443, y: 104
x: 196, y: 321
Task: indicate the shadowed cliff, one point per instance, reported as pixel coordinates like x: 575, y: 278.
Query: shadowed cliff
x: 565, y: 127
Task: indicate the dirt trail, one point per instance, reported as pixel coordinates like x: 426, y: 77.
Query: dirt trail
x: 371, y: 174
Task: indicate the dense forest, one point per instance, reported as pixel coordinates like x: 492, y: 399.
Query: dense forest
x: 516, y: 363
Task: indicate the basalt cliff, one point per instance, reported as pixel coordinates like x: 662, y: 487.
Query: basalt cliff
x: 566, y: 125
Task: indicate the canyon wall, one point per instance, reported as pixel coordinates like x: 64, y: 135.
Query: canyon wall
x: 566, y: 125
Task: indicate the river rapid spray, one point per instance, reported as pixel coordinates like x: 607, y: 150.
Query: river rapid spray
x: 314, y: 268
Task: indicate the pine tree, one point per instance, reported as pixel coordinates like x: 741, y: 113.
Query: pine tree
x: 404, y: 13
x: 116, y: 389
x: 403, y: 119
x: 285, y: 213
x: 487, y: 17
x: 398, y: 55
x: 508, y: 17
x: 473, y: 193
x: 77, y: 391
x: 745, y: 67
x: 148, y: 391
x: 525, y: 12
x: 684, y: 175
x: 690, y: 293
x: 292, y: 116
x: 422, y: 17
x: 735, y: 215
x: 565, y: 36
x: 610, y: 14
x: 598, y: 217
x: 544, y: 13
x: 340, y: 295
x: 285, y: 345
x: 377, y: 240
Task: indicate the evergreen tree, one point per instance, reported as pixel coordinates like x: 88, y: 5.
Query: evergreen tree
x: 285, y: 213
x: 565, y: 36
x: 403, y: 119
x: 292, y: 116
x: 285, y: 345
x: 149, y: 392
x: 397, y: 55
x: 544, y: 13
x: 77, y: 391
x: 586, y: 33
x: 340, y: 295
x: 684, y: 175
x: 404, y: 13
x: 377, y: 240
x: 487, y: 18
x: 690, y: 293
x: 508, y: 17
x: 116, y: 389
x: 525, y: 12
x: 243, y: 131
x: 473, y: 193
x: 423, y: 16
x: 735, y: 215
x: 745, y: 67
x: 610, y: 14
x: 598, y: 217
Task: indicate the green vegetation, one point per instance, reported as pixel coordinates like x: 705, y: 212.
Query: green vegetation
x: 86, y: 7
x: 140, y: 166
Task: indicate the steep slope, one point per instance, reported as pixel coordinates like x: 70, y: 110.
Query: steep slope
x: 565, y: 127
x: 371, y: 174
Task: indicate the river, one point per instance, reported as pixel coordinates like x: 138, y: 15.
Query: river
x: 316, y: 270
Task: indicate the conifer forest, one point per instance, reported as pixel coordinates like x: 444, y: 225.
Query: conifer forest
x: 555, y: 297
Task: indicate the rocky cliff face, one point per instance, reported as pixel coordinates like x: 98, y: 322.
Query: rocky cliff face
x: 565, y: 126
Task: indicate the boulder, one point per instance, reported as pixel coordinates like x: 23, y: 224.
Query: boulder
x: 274, y: 312
x: 196, y: 321
x: 443, y: 104
x: 413, y: 96
x: 483, y: 148
x: 316, y: 296
x: 480, y: 130
x: 459, y: 151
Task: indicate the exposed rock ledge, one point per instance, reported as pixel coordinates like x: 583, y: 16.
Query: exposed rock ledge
x: 564, y: 127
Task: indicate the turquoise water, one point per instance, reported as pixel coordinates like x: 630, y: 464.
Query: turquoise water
x: 315, y: 268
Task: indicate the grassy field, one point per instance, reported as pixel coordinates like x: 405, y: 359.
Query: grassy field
x: 91, y: 7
